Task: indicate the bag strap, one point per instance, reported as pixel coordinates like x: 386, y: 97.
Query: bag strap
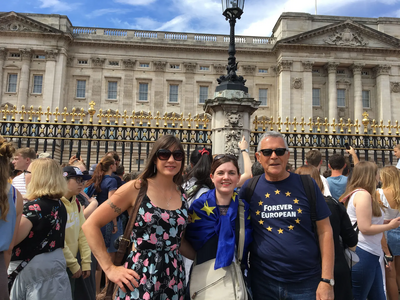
x: 309, y: 188
x: 242, y: 229
x: 251, y: 187
x: 24, y: 263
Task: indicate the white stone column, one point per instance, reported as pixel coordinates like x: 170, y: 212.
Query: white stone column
x: 358, y: 105
x: 3, y: 53
x: 383, y: 93
x: 60, y: 77
x: 48, y: 82
x: 26, y: 55
x: 331, y: 67
x: 307, y: 110
x: 284, y: 101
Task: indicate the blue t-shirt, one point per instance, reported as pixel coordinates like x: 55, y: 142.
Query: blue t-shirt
x: 108, y: 184
x: 337, y: 185
x: 284, y: 246
x: 7, y: 226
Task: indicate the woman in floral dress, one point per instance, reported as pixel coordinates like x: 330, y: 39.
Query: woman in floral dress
x: 154, y: 268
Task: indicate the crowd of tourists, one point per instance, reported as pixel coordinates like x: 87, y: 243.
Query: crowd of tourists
x: 200, y: 230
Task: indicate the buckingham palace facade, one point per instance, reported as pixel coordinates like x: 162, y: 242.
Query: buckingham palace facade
x: 311, y: 66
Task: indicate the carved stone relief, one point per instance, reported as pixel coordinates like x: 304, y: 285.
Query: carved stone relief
x: 307, y: 66
x: 3, y: 53
x: 219, y: 68
x: 70, y: 61
x: 26, y: 54
x: 284, y: 65
x: 51, y: 54
x: 129, y: 63
x: 347, y: 37
x: 382, y: 70
x: 332, y: 67
x: 233, y: 119
x: 15, y: 26
x: 98, y: 62
x: 297, y: 83
x: 395, y: 87
x: 190, y: 67
x: 159, y: 65
x: 249, y: 69
x: 232, y: 139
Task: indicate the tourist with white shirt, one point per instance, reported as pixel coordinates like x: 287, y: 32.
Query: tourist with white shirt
x: 389, y: 194
x: 364, y: 208
x: 396, y: 151
x: 23, y: 157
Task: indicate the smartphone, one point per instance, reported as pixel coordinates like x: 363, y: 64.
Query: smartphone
x: 347, y: 146
x: 78, y: 155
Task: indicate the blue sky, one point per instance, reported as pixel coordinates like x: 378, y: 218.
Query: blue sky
x: 202, y: 16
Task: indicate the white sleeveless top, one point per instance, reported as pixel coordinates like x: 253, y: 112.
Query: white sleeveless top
x: 369, y: 243
x: 390, y: 213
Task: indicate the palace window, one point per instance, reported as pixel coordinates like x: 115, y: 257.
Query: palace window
x: 340, y: 71
x: 263, y: 96
x: 203, y: 94
x: 144, y: 65
x: 37, y: 84
x: 174, y: 66
x: 112, y: 90
x: 12, y: 83
x: 366, y: 99
x: 82, y: 62
x: 262, y: 70
x: 40, y: 56
x: 143, y: 91
x: 15, y: 55
x: 316, y: 97
x: 341, y: 98
x: 173, y: 93
x: 204, y: 68
x: 80, y: 88
x: 113, y: 63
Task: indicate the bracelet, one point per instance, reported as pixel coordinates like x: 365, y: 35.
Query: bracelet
x: 115, y: 226
x: 244, y: 150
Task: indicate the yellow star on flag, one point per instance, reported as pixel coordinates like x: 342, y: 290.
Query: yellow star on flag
x: 299, y: 211
x: 297, y: 221
x: 208, y: 209
x: 261, y: 222
x: 291, y: 227
x: 234, y: 196
x: 280, y: 231
x: 296, y: 201
x: 194, y: 217
x: 267, y: 195
x: 257, y: 212
x: 277, y: 192
x: 260, y: 203
x: 269, y: 228
x: 287, y: 194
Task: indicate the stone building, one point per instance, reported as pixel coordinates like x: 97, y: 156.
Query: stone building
x: 312, y: 66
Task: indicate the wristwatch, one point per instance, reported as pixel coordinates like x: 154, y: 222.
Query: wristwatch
x: 245, y: 150
x: 331, y: 282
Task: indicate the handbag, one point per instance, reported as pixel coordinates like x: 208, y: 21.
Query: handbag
x: 224, y: 283
x: 109, y: 291
x: 350, y: 255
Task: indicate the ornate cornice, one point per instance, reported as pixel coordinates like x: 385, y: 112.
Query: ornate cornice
x: 190, y: 67
x: 129, y: 63
x: 159, y: 65
x: 51, y: 54
x: 331, y: 67
x: 219, y: 69
x: 249, y: 69
x: 307, y: 66
x: 284, y: 65
x: 98, y: 62
x: 382, y: 69
x: 395, y: 87
x: 357, y: 68
x: 26, y: 54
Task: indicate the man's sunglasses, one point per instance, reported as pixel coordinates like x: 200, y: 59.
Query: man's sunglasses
x: 165, y: 154
x: 278, y: 151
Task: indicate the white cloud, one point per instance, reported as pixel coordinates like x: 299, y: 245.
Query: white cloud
x: 57, y: 6
x: 105, y: 11
x: 136, y: 2
x: 139, y: 24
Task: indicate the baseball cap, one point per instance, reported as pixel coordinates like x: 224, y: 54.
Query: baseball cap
x: 91, y: 170
x: 70, y: 171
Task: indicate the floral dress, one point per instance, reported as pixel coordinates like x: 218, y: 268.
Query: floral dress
x: 157, y: 236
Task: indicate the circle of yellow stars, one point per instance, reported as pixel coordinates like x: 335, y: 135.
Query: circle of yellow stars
x: 280, y: 230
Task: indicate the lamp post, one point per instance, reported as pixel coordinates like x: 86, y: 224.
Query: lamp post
x: 232, y: 10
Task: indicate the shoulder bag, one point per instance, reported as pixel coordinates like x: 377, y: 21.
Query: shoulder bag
x: 224, y: 283
x: 109, y: 291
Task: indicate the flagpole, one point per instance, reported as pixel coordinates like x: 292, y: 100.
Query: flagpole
x: 316, y: 6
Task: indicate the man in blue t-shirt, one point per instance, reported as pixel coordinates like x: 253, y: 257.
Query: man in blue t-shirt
x: 285, y: 258
x: 337, y: 182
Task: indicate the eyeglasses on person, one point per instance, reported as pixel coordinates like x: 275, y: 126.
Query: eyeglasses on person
x: 79, y: 180
x: 278, y: 151
x: 165, y: 154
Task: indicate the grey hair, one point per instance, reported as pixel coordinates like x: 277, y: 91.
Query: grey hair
x: 274, y: 134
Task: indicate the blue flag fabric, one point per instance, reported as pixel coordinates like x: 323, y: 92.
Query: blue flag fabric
x: 206, y: 221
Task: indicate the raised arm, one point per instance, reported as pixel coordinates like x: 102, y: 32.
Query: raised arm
x: 244, y: 145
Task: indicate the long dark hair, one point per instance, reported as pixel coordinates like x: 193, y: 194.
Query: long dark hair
x: 6, y: 152
x: 102, y: 167
x: 201, y: 158
x: 164, y: 142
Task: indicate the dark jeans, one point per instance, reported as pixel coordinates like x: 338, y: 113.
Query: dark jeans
x: 264, y: 288
x: 367, y: 277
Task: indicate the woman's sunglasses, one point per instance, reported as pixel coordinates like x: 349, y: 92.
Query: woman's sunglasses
x: 278, y: 151
x: 165, y: 154
x: 219, y: 156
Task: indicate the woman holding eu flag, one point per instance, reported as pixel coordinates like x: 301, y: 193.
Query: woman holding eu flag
x: 213, y: 228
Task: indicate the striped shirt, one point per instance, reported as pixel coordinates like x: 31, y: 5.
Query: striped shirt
x: 19, y: 183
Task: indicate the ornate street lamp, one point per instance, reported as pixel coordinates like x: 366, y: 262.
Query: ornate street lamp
x: 232, y: 10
